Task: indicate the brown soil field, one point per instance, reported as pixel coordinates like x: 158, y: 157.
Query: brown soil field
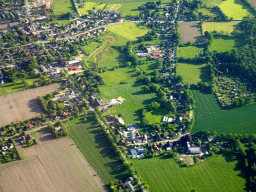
x: 191, y: 31
x: 253, y: 2
x: 52, y: 165
x: 23, y: 105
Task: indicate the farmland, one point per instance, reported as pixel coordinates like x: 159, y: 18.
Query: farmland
x: 209, y: 116
x: 253, y: 3
x: 93, y: 144
x: 22, y: 105
x: 129, y: 31
x: 234, y: 9
x: 210, y: 3
x: 226, y: 43
x: 130, y: 8
x: 190, y: 31
x: 62, y: 7
x: 193, y: 73
x: 89, y: 6
x: 189, y: 51
x: 112, y: 7
x: 54, y: 165
x: 225, y: 27
x: 215, y: 174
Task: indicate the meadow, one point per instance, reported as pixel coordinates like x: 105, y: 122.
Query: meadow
x: 112, y: 7
x: 210, y: 3
x: 234, y: 9
x: 93, y: 144
x: 226, y: 27
x: 193, y: 73
x: 130, y: 8
x: 90, y: 6
x: 129, y: 31
x: 62, y: 7
x: 214, y: 174
x: 189, y: 51
x: 226, y: 43
x: 89, y: 49
x: 206, y: 11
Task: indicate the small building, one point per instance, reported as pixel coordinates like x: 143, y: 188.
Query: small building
x: 195, y: 150
x: 73, y: 68
x: 73, y: 62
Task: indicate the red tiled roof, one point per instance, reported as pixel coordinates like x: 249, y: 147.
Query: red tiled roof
x: 73, y: 67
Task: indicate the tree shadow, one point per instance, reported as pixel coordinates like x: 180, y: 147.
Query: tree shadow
x: 34, y: 105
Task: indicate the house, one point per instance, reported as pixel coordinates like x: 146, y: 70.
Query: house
x: 194, y: 150
x: 47, y: 5
x: 65, y: 114
x: 73, y: 62
x: 76, y: 67
x: 155, y: 55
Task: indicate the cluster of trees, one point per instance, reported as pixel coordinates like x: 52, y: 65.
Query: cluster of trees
x: 58, y: 133
x: 11, y: 153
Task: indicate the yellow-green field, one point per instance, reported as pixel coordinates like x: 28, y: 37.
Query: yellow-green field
x: 62, y: 7
x: 193, y: 73
x: 189, y: 51
x: 227, y: 27
x: 128, y: 30
x: 235, y: 9
x: 113, y: 7
x: 89, y: 6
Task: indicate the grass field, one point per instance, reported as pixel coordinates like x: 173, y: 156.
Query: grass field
x: 234, y: 9
x: 189, y: 51
x: 88, y: 49
x: 129, y: 31
x: 59, y: 22
x: 193, y: 73
x: 206, y: 11
x: 88, y: 136
x: 130, y: 8
x: 89, y: 6
x: 253, y: 2
x: 210, y: 3
x: 227, y: 27
x: 214, y: 174
x: 226, y: 43
x: 62, y: 7
x: 112, y: 7
x: 10, y: 87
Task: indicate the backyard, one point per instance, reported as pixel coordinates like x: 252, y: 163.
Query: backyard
x: 214, y: 174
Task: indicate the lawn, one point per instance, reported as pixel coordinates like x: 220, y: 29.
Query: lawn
x: 234, y: 9
x: 214, y: 174
x: 121, y: 82
x: 193, y: 73
x: 189, y: 51
x: 112, y: 7
x: 89, y: 6
x: 129, y: 31
x: 59, y: 22
x: 10, y: 87
x: 226, y: 43
x: 227, y: 27
x: 93, y: 144
x: 206, y: 11
x: 62, y: 7
x: 156, y: 116
x: 209, y: 116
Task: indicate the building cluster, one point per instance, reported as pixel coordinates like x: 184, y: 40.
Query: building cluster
x: 5, y: 147
x: 26, y: 138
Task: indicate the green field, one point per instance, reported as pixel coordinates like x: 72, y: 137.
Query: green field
x: 88, y: 49
x: 225, y: 27
x: 206, y: 11
x: 214, y: 174
x: 112, y: 7
x: 90, y: 6
x: 89, y: 138
x: 193, y: 73
x: 189, y: 51
x: 59, y: 22
x: 156, y: 116
x: 210, y: 3
x: 226, y: 43
x: 10, y: 87
x: 62, y: 7
x: 234, y: 9
x: 129, y: 31
x: 130, y: 8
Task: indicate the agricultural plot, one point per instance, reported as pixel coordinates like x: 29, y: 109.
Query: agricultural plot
x: 226, y: 43
x: 130, y: 8
x: 191, y: 32
x: 234, y: 9
x: 214, y: 174
x: 91, y: 6
x: 112, y: 7
x: 62, y: 7
x: 189, y: 51
x: 210, y: 3
x: 193, y: 73
x: 23, y: 105
x: 54, y: 165
x: 224, y: 27
x: 253, y: 2
x: 129, y: 31
x: 93, y: 144
x: 206, y: 11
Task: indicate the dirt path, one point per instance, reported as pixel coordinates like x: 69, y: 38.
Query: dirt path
x: 102, y: 46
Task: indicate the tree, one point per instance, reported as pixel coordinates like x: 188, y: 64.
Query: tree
x: 179, y: 78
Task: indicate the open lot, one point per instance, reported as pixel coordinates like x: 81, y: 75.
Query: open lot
x: 226, y: 27
x: 214, y: 174
x: 129, y: 31
x: 23, y: 105
x: 62, y: 7
x: 234, y: 9
x: 191, y: 31
x: 54, y: 165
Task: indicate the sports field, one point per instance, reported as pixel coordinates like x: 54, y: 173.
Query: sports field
x: 189, y: 51
x: 214, y: 174
x: 234, y: 9
x: 93, y: 144
x: 226, y: 43
x: 54, y: 165
x: 23, y: 105
x: 227, y: 27
x: 193, y: 73
x: 129, y: 31
x: 62, y: 7
x: 91, y: 6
